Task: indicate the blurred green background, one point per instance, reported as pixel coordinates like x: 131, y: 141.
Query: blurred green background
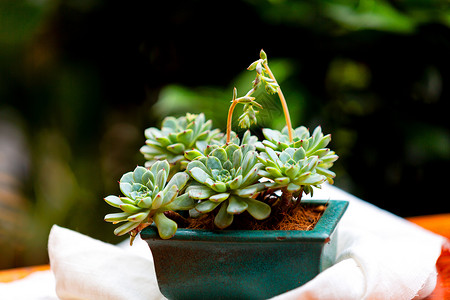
x: 80, y: 80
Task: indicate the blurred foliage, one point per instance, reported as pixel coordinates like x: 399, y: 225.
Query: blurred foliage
x: 81, y: 80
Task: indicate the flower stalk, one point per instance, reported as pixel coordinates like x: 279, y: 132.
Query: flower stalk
x: 249, y: 115
x: 283, y: 103
x: 271, y: 86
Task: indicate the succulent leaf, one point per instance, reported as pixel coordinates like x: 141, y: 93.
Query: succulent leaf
x: 199, y: 175
x: 138, y: 217
x: 259, y: 210
x: 250, y: 190
x: 158, y: 200
x: 206, y: 206
x: 223, y: 219
x: 219, y: 187
x: 126, y: 188
x: 236, y: 182
x: 199, y: 192
x: 116, y: 217
x: 145, y: 202
x: 236, y: 205
x: 179, y: 180
x: 219, y: 197
x: 124, y: 228
x: 220, y: 154
x: 166, y: 227
x: 170, y: 194
x: 183, y: 202
x: 213, y: 163
x: 128, y: 208
x: 292, y: 187
x: 113, y: 201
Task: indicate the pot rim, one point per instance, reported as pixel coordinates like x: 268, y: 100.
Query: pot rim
x: 321, y: 232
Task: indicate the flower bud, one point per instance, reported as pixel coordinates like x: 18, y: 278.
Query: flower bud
x: 262, y: 54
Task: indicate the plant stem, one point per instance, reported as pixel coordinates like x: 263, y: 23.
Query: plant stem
x: 283, y: 104
x: 286, y: 200
x: 230, y: 115
x: 230, y: 112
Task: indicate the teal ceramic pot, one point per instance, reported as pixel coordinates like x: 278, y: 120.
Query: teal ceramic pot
x: 243, y: 264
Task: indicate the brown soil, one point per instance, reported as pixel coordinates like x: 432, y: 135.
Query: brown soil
x: 303, y: 217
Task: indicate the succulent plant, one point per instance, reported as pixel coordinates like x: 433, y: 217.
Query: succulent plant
x: 312, y: 145
x: 291, y: 169
x: 147, y: 195
x: 175, y: 137
x: 227, y: 178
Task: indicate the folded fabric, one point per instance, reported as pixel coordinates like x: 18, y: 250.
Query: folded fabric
x: 380, y: 256
x: 86, y: 268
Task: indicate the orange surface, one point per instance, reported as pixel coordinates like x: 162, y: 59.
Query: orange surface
x: 18, y: 273
x: 439, y: 224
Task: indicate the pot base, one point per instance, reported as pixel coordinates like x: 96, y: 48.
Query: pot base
x: 243, y: 264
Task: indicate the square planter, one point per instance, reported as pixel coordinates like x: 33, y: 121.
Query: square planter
x: 243, y: 264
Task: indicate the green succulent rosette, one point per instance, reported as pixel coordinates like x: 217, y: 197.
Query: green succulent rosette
x: 175, y: 137
x: 312, y: 145
x: 147, y: 195
x: 293, y: 169
x: 226, y: 179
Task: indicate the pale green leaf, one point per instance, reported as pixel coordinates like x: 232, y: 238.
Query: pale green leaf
x: 138, y: 174
x: 219, y: 197
x: 129, y: 208
x: 138, y: 217
x: 236, y: 205
x: 186, y: 137
x: 274, y: 172
x: 177, y: 148
x: 158, y: 200
x: 179, y: 180
x: 166, y: 227
x: 236, y: 182
x: 113, y: 201
x: 221, y: 154
x: 199, y: 192
x: 237, y: 158
x: 183, y: 202
x: 117, y: 217
x: 258, y: 209
x: 199, y: 175
x: 299, y: 154
x: 213, y: 162
x: 125, y: 228
x: 292, y: 188
x: 282, y: 180
x: 219, y: 186
x: 206, y: 206
x: 223, y: 219
x: 249, y: 190
x: 169, y: 194
x: 145, y: 202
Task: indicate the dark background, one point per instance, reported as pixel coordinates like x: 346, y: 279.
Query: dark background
x: 81, y: 80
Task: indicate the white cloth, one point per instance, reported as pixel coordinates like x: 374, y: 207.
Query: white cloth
x: 380, y: 256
